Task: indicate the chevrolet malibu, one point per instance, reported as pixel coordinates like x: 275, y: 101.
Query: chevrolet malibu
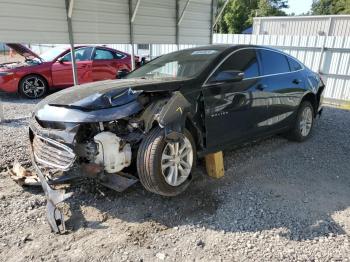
x: 33, y: 77
x: 167, y: 113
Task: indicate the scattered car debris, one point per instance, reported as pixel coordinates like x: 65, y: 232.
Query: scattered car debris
x: 22, y: 176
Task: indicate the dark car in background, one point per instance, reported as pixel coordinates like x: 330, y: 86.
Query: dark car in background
x: 34, y: 76
x: 172, y: 110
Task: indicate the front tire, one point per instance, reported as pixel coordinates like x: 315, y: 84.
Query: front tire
x: 33, y: 86
x: 304, y: 123
x: 165, y: 167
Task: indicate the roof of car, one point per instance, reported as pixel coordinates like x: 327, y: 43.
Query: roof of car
x: 223, y: 47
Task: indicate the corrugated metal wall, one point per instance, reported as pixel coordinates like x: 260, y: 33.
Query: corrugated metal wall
x: 329, y: 55
x: 338, y: 25
x: 155, y: 21
x: 40, y: 21
x: 100, y: 21
x: 104, y: 21
x: 195, y: 26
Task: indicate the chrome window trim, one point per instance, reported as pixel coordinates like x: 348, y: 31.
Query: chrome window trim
x: 207, y: 83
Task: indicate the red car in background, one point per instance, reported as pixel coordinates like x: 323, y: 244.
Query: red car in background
x: 33, y: 77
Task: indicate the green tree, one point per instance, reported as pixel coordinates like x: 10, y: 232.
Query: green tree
x: 239, y: 14
x: 330, y: 7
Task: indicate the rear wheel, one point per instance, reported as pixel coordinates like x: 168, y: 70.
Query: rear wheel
x: 33, y: 86
x: 303, y: 125
x: 165, y: 167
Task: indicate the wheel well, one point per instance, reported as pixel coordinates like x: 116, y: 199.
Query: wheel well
x: 313, y: 100
x: 46, y: 82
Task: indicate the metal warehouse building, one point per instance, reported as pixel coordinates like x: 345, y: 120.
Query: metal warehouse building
x: 332, y: 25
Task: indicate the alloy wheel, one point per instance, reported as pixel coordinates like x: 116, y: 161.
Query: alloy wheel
x: 33, y: 87
x: 177, y: 161
x: 306, y: 121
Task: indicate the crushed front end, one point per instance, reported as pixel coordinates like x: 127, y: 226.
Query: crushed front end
x: 97, y: 150
x: 95, y: 131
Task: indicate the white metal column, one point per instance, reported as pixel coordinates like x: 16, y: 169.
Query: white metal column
x: 2, y: 117
x: 69, y: 11
x: 132, y: 17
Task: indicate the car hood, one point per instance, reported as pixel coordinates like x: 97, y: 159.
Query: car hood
x: 23, y: 51
x: 107, y: 94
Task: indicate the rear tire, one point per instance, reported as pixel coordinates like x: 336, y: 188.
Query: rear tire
x: 33, y: 86
x: 162, y: 168
x: 304, y: 123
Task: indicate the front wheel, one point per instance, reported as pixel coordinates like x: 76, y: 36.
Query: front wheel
x: 304, y: 123
x: 33, y: 86
x: 165, y: 167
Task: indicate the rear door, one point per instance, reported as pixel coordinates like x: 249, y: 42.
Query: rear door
x: 105, y: 64
x: 233, y: 110
x: 284, y: 86
x: 62, y: 75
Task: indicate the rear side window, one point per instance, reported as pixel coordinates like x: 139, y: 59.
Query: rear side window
x: 119, y: 55
x: 273, y: 62
x: 243, y: 60
x: 102, y: 54
x: 294, y: 65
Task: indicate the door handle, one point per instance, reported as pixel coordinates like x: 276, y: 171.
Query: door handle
x: 296, y: 81
x: 261, y: 87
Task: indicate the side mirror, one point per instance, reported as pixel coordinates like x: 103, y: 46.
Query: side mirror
x: 122, y: 73
x: 229, y: 76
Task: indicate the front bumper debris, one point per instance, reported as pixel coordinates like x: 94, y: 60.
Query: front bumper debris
x: 55, y: 156
x: 54, y: 197
x: 49, y: 155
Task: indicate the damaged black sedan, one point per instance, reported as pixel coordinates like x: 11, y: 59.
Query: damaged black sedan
x: 164, y: 115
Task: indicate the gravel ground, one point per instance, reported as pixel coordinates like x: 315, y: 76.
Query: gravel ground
x: 278, y: 201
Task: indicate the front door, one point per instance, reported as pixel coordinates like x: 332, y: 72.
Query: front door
x: 233, y: 110
x: 62, y: 75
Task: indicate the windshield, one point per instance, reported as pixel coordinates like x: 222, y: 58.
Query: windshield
x: 51, y: 54
x: 177, y: 65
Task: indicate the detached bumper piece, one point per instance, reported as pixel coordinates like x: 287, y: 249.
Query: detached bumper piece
x: 55, y: 156
x: 54, y: 197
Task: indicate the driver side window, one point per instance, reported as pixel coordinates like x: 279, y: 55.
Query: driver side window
x: 81, y: 54
x: 244, y: 60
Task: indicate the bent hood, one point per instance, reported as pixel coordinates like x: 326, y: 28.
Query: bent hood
x: 107, y: 94
x: 23, y: 51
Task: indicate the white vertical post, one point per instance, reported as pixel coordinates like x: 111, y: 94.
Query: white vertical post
x: 320, y: 65
x: 2, y: 117
x: 150, y: 51
x: 132, y: 16
x: 69, y: 11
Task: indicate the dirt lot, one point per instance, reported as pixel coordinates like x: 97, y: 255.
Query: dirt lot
x: 278, y: 201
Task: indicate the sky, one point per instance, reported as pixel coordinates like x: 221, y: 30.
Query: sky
x: 298, y: 6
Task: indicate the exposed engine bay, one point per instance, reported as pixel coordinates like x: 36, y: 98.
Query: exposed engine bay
x: 12, y: 65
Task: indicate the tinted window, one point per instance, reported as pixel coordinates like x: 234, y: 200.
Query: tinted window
x: 81, y: 54
x: 294, y: 65
x: 273, y: 62
x: 244, y: 60
x: 102, y: 54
